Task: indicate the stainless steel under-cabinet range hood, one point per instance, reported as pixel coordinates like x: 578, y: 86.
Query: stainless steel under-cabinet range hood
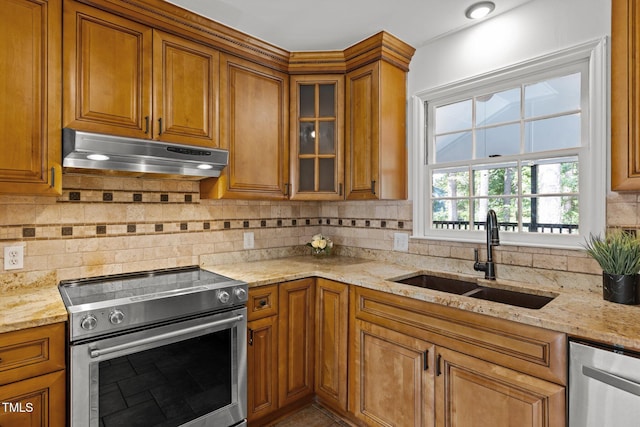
x: 87, y: 150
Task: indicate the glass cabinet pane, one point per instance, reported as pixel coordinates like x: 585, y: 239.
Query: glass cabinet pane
x: 307, y: 174
x: 326, y: 143
x: 307, y: 138
x: 307, y: 100
x: 327, y: 100
x: 327, y: 175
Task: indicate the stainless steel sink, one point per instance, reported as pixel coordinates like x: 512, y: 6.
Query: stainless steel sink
x: 437, y: 283
x: 473, y: 290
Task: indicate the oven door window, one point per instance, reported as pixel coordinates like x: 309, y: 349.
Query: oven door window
x: 168, y: 385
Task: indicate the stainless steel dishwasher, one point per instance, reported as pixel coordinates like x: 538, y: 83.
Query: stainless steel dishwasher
x: 604, y: 386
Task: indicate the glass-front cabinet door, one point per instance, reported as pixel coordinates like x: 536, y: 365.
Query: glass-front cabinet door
x: 317, y: 165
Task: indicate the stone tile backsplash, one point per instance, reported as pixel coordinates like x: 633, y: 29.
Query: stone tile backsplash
x: 103, y: 225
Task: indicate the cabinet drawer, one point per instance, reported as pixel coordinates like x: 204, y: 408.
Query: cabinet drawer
x: 263, y: 302
x: 31, y: 352
x: 529, y: 349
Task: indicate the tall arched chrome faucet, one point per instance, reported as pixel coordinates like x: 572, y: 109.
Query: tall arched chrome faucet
x: 493, y: 239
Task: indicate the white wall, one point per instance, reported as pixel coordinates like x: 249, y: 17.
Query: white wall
x: 531, y: 30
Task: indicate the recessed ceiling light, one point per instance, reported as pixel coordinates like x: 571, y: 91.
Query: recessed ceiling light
x: 98, y: 157
x: 479, y: 10
x: 204, y: 166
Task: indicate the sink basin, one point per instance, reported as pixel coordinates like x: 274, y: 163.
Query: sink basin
x: 436, y: 283
x: 473, y: 290
x: 504, y: 296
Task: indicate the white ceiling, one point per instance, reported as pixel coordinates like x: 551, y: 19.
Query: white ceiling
x: 307, y: 25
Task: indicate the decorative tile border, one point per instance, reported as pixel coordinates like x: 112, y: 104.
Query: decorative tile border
x: 29, y: 232
x: 123, y: 196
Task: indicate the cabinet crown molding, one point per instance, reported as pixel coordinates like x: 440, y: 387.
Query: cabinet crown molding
x: 174, y: 19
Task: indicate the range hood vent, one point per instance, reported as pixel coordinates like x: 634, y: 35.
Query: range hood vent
x: 87, y: 150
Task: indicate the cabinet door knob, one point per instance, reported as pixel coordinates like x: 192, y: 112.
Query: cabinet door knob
x: 250, y: 336
x: 373, y: 187
x: 146, y: 124
x: 160, y: 126
x: 438, y: 368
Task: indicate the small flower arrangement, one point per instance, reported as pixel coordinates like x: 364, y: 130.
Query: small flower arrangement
x: 320, y: 245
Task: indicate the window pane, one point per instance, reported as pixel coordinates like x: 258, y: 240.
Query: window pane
x: 450, y: 214
x: 553, y: 96
x: 495, y: 180
x: 454, y: 147
x: 326, y: 144
x: 551, y: 214
x: 498, y: 107
x: 307, y: 138
x: 327, y: 101
x: 498, y: 141
x: 307, y: 101
x: 453, y: 117
x: 450, y: 183
x: 551, y: 176
x: 552, y: 134
x: 506, y: 209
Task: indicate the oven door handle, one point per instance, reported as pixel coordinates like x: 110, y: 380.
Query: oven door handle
x: 102, y: 351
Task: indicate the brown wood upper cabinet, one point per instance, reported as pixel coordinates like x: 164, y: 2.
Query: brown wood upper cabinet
x: 376, y: 154
x: 124, y: 78
x: 254, y: 125
x: 371, y: 163
x: 625, y: 98
x: 317, y: 116
x: 30, y: 46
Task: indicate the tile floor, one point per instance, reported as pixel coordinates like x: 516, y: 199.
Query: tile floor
x: 311, y: 416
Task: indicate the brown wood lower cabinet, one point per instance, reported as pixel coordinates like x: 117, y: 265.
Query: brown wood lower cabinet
x: 32, y: 377
x: 296, y: 322
x: 471, y: 391
x: 262, y: 367
x: 384, y: 360
x: 391, y: 377
x: 411, y: 359
x: 332, y: 320
x: 280, y: 355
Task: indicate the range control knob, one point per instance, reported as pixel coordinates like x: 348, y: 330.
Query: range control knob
x: 223, y: 297
x: 240, y: 293
x: 116, y: 317
x: 89, y: 322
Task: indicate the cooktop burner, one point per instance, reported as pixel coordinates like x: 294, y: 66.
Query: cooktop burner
x: 109, y: 304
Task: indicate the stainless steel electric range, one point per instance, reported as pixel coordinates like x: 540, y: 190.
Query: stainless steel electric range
x: 157, y: 348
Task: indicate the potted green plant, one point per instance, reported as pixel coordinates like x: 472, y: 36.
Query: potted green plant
x: 618, y: 253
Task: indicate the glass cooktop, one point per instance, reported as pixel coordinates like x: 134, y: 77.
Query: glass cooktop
x: 138, y: 286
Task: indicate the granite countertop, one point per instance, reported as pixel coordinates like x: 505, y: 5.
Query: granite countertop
x: 29, y: 306
x: 579, y: 313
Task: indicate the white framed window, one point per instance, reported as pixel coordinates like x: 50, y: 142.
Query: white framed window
x: 528, y: 141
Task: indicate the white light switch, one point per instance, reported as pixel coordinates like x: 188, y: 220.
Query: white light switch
x: 248, y: 240
x: 400, y: 242
x: 13, y: 257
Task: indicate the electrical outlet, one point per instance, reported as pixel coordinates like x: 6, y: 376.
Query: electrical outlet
x: 400, y: 242
x: 248, y: 240
x: 13, y: 257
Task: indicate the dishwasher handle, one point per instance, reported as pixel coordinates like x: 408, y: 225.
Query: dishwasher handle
x: 612, y: 380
